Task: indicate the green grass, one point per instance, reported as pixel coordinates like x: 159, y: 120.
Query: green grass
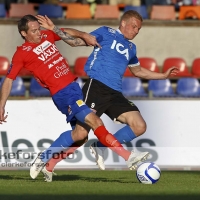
x: 99, y: 185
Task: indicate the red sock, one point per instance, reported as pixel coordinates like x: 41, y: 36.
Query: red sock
x: 110, y: 141
x: 53, y: 161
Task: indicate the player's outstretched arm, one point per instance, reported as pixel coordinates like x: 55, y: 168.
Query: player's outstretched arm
x: 87, y: 38
x: 67, y: 38
x: 71, y: 36
x: 4, y: 93
x: 147, y: 74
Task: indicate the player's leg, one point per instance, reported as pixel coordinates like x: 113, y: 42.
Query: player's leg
x: 48, y: 170
x: 58, y: 150
x: 135, y: 126
x: 69, y: 102
x: 126, y: 112
x: 103, y: 135
x: 103, y: 99
x: 50, y: 165
x: 110, y: 141
x: 123, y: 135
x: 97, y: 97
x: 64, y: 141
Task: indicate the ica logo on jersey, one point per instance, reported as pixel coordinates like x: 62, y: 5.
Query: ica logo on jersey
x: 45, y: 50
x: 120, y: 49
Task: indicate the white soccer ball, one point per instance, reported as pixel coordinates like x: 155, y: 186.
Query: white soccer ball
x: 148, y: 173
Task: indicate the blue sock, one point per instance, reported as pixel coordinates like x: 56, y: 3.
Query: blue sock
x: 64, y: 141
x: 123, y: 135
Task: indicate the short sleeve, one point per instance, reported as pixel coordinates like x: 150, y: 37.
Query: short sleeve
x: 98, y: 33
x: 16, y: 65
x: 134, y: 62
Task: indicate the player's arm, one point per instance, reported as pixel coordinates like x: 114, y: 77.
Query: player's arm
x: 74, y: 37
x: 147, y: 74
x: 71, y: 36
x: 4, y: 93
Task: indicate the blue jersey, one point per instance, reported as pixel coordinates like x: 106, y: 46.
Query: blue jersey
x: 108, y: 64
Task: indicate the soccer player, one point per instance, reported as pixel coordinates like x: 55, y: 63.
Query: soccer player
x: 40, y: 55
x: 105, y: 67
x: 103, y: 90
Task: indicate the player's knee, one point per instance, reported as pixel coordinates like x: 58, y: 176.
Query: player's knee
x: 83, y: 135
x: 93, y: 121
x: 139, y: 128
x: 80, y: 134
x: 98, y: 121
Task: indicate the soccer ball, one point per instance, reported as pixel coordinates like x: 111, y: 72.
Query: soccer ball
x: 148, y: 173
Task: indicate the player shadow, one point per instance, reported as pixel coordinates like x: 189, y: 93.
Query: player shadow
x: 65, y: 178
x: 70, y: 177
x: 11, y: 177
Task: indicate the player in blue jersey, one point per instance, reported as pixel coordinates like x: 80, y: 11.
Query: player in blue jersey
x: 106, y: 67
x: 103, y: 90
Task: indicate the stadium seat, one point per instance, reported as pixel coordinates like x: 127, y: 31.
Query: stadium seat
x: 65, y: 5
x: 140, y: 9
x: 78, y: 11
x: 192, y: 12
x: 195, y: 68
x: 18, y: 10
x: 163, y: 12
x: 107, y: 12
x: 18, y: 87
x: 2, y: 10
x: 121, y: 6
x: 179, y: 63
x: 161, y: 88
x: 149, y: 63
x: 132, y: 86
x: 188, y: 87
x: 79, y: 66
x: 51, y: 10
x: 4, y: 65
x: 36, y: 90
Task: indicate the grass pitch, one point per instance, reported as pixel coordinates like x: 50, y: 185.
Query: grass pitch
x: 99, y: 185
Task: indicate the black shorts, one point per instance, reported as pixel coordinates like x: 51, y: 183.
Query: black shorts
x: 104, y: 99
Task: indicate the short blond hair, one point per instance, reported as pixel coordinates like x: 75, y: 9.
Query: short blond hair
x: 129, y: 14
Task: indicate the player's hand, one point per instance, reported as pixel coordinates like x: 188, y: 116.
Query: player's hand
x: 90, y: 40
x: 173, y: 71
x: 45, y: 22
x: 3, y: 117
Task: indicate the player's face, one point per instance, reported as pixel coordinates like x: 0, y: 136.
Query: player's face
x: 131, y: 28
x: 33, y: 34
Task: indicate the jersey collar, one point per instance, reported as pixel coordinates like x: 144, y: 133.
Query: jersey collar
x: 119, y: 31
